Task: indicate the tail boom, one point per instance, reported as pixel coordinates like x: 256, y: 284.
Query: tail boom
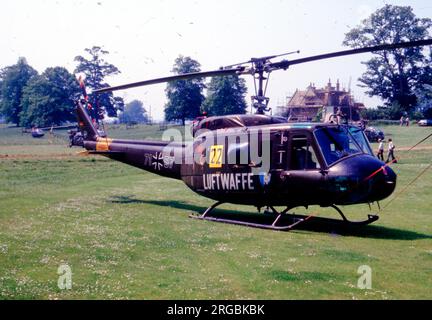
x: 154, y: 156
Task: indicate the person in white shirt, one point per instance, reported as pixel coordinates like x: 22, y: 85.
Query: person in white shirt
x: 380, y: 153
x: 390, y: 153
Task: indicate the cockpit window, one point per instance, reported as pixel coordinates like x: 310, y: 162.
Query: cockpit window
x: 360, y: 138
x: 336, y: 143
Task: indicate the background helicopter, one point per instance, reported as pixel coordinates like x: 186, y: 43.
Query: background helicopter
x: 37, y: 132
x: 325, y: 164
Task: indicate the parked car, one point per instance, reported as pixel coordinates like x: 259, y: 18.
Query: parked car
x: 373, y: 134
x: 425, y: 122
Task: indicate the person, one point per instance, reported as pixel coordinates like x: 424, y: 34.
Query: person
x: 339, y: 115
x: 390, y: 153
x: 402, y: 121
x: 380, y: 153
x: 407, y: 121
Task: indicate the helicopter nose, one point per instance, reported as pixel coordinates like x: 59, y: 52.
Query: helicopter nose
x: 382, y: 182
x: 362, y: 178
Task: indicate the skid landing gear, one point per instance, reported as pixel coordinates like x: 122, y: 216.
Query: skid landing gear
x: 371, y: 218
x: 283, y: 221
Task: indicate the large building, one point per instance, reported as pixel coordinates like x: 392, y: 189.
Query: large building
x: 319, y: 104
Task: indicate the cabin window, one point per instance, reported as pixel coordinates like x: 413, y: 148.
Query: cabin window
x: 303, y: 156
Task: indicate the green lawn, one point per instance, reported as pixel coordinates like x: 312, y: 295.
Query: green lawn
x: 126, y: 234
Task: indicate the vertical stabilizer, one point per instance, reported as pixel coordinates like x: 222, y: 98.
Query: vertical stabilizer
x: 85, y: 124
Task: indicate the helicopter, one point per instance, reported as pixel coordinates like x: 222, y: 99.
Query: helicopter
x: 258, y: 159
x: 38, y: 133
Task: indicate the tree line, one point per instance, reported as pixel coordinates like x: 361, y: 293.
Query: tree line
x: 28, y: 98
x: 402, y: 78
x: 225, y: 95
x: 31, y: 99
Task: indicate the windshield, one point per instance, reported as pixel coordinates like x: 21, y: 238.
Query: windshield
x: 361, y: 140
x: 336, y: 143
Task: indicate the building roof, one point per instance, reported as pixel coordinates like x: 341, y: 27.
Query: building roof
x: 328, y: 96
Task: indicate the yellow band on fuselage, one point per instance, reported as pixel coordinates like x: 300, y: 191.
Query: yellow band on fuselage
x: 103, y: 144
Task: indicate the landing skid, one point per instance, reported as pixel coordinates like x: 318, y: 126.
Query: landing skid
x: 292, y: 220
x: 371, y: 218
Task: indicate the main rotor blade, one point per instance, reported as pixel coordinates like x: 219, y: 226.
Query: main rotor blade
x: 185, y: 76
x: 284, y: 64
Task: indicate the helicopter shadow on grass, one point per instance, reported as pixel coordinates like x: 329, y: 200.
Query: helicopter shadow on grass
x: 315, y: 224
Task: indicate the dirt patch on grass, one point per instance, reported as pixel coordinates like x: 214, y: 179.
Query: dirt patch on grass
x: 41, y: 156
x: 416, y: 148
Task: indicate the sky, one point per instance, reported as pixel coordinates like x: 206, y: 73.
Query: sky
x: 145, y: 37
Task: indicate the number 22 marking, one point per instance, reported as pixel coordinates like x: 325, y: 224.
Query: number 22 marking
x: 216, y: 152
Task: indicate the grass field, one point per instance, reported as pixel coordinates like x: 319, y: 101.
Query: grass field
x: 126, y: 234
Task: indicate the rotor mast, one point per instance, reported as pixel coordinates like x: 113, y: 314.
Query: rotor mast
x: 260, y: 69
x: 259, y: 100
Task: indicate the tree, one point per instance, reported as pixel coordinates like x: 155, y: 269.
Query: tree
x: 226, y: 95
x: 184, y: 96
x: 1, y: 84
x: 134, y: 112
x: 392, y: 75
x: 424, y: 105
x: 13, y: 80
x: 49, y: 98
x: 96, y: 69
